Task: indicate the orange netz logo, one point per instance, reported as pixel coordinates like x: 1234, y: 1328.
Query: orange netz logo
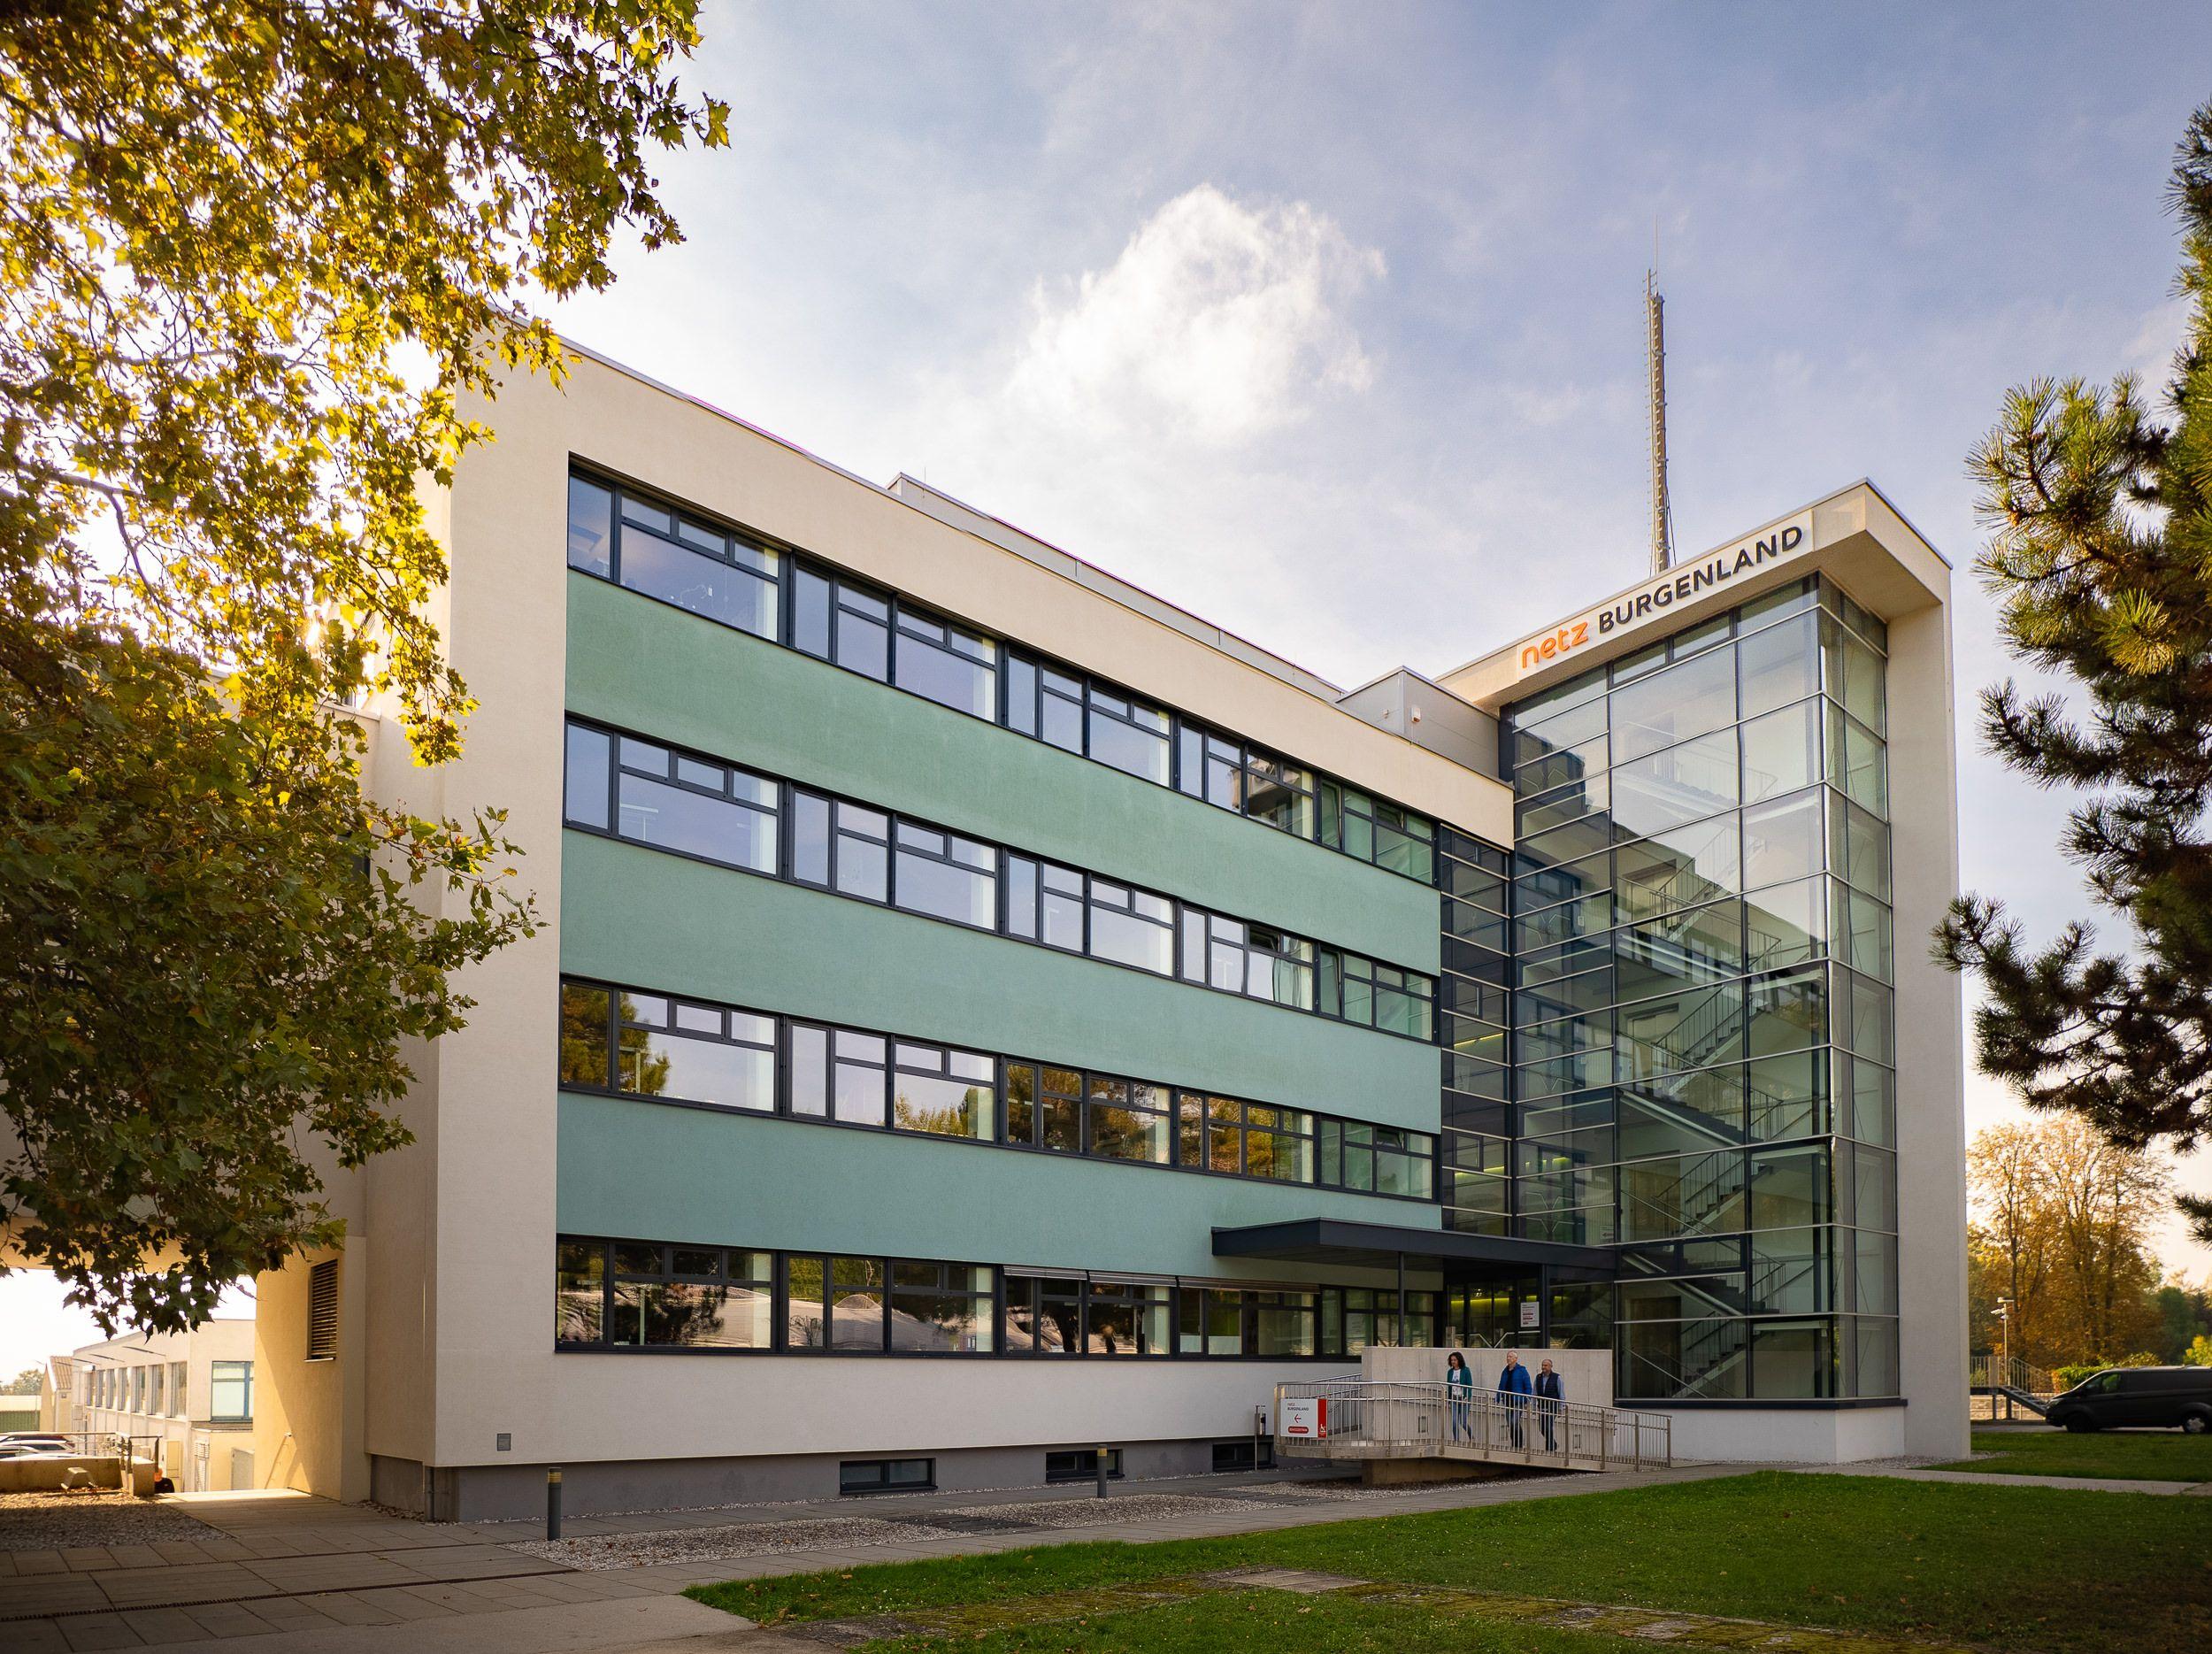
x: 1558, y: 643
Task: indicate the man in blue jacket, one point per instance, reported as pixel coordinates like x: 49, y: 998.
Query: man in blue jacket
x: 1513, y: 1393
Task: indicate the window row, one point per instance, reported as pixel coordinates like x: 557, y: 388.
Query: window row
x: 637, y: 1295
x: 1719, y: 1023
x: 1733, y: 1359
x: 659, y: 1045
x: 1762, y: 842
x: 657, y: 795
x: 683, y: 558
x: 1775, y: 753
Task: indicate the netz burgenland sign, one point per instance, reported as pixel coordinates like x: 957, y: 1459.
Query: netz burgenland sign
x: 1684, y: 583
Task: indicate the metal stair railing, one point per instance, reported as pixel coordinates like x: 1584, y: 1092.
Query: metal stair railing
x: 1412, y: 1420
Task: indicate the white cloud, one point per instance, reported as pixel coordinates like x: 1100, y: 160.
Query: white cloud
x: 1219, y: 322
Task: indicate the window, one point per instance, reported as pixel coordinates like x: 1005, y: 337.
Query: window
x: 1255, y: 960
x: 1372, y: 830
x: 661, y: 1047
x: 1246, y: 1454
x: 1044, y: 1315
x: 1245, y: 1139
x: 1128, y: 734
x: 941, y: 1308
x: 879, y: 636
x: 322, y: 1310
x: 1127, y: 1120
x: 841, y: 847
x: 1377, y: 1160
x: 835, y: 1303
x: 887, y: 1475
x: 672, y: 554
x: 1132, y: 927
x: 669, y: 800
x: 944, y: 1092
x: 638, y: 1295
x: 230, y: 1392
x: 945, y: 876
x: 1081, y: 1465
x: 945, y: 664
x: 179, y: 1403
x: 1126, y: 1319
x: 1377, y: 996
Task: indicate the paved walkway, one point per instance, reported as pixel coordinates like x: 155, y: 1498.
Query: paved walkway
x: 291, y: 1574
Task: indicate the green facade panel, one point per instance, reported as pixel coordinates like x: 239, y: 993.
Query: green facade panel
x: 648, y: 920
x: 648, y: 667
x: 648, y: 1171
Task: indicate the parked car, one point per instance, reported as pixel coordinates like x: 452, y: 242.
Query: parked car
x: 2155, y: 1398
x: 36, y: 1438
x: 32, y: 1449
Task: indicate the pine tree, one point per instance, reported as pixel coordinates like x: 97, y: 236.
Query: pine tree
x: 2100, y: 550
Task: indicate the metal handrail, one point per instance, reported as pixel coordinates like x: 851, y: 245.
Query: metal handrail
x: 1380, y: 1420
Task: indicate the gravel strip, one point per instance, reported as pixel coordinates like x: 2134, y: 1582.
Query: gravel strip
x: 1349, y: 1490
x: 1121, y: 1507
x: 602, y: 1551
x: 50, y: 1521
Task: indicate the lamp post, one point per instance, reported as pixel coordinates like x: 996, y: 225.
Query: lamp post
x: 2004, y: 1353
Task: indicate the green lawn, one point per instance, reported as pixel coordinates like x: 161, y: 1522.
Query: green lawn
x: 2135, y: 1455
x: 1995, y: 1566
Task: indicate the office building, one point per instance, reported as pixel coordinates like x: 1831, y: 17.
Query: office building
x: 981, y: 1010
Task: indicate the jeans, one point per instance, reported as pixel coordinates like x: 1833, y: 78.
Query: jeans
x: 1513, y: 1409
x: 1546, y: 1413
x: 1462, y: 1430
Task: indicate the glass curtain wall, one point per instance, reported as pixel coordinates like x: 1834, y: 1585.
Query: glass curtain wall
x: 1703, y: 1044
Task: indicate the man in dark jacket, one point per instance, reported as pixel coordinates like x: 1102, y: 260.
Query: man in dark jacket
x: 1550, y: 1392
x: 1513, y: 1393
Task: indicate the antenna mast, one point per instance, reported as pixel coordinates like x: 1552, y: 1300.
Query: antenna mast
x: 1655, y: 353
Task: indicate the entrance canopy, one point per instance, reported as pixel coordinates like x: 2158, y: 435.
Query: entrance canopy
x: 1396, y: 1246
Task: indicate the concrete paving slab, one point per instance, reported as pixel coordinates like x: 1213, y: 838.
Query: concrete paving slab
x: 630, y: 1623
x: 99, y: 1631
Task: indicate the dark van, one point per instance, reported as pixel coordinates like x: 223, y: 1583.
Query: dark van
x: 2143, y: 1398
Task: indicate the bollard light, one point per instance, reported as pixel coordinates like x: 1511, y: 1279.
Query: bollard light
x: 553, y: 1502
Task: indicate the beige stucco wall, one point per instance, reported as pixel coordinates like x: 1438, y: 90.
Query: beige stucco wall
x: 307, y: 1430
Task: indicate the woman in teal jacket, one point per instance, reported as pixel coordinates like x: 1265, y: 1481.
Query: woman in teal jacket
x: 1459, y: 1390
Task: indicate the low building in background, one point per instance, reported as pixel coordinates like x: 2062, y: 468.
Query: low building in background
x: 184, y: 1398
x: 57, y: 1394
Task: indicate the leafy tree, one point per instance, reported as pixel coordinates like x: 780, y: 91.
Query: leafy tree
x: 2200, y: 1352
x: 252, y: 252
x: 2099, y: 514
x: 2184, y: 1314
x: 2062, y: 1229
x: 28, y: 1382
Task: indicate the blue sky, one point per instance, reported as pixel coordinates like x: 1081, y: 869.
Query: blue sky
x: 1326, y: 321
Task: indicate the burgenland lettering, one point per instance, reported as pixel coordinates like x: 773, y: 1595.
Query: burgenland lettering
x: 1713, y: 571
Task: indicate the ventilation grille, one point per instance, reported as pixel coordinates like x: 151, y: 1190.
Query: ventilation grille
x: 322, y: 1312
